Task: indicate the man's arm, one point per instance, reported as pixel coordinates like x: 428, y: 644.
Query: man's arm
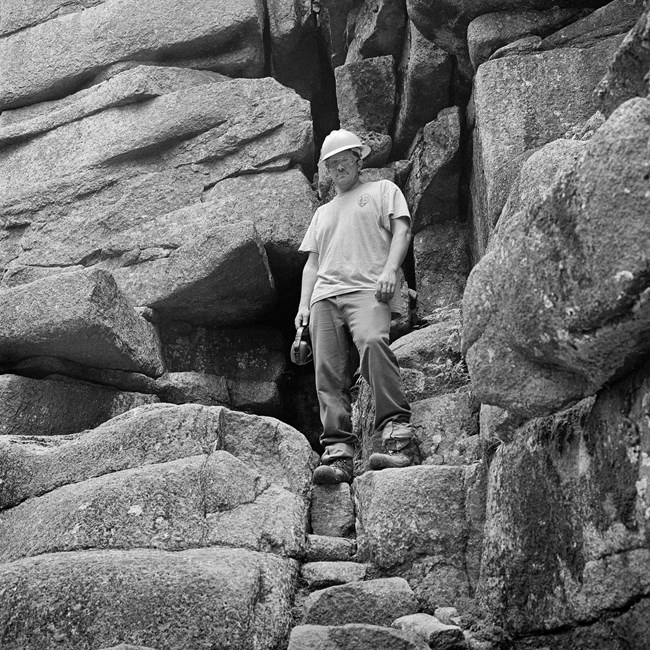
x: 309, y: 276
x: 399, y: 245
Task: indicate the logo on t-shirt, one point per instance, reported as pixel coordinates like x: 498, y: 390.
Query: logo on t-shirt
x: 364, y: 199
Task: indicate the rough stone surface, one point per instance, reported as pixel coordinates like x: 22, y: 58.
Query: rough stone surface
x: 213, y: 500
x: 491, y: 31
x: 521, y: 103
x: 81, y: 317
x: 424, y: 87
x: 136, y: 84
x: 441, y: 253
x: 351, y: 637
x: 378, y: 30
x: 59, y: 405
x: 332, y: 510
x: 138, y: 167
x: 373, y: 602
x: 365, y: 93
x: 411, y: 522
x: 323, y: 548
x: 219, y: 276
x: 447, y: 428
x: 70, y: 52
x: 152, y: 434
x: 432, y: 188
x: 567, y: 521
x: 581, y: 276
x: 95, y: 599
x: 318, y: 575
x: 616, y: 17
x: 626, y: 75
x: 437, y: 635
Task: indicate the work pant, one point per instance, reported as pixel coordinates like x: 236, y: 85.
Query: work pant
x: 368, y: 322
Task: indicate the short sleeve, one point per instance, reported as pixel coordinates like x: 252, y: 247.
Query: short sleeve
x: 309, y: 244
x: 394, y: 204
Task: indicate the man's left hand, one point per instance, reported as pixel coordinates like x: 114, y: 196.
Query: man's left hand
x: 385, y: 287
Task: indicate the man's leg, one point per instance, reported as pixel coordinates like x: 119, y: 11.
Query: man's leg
x: 369, y: 323
x: 330, y: 346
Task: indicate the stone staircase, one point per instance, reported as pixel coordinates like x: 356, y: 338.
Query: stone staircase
x: 345, y: 601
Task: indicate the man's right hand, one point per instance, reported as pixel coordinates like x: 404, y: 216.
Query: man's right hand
x: 302, y: 317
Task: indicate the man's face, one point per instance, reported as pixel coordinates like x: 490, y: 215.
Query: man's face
x: 344, y: 169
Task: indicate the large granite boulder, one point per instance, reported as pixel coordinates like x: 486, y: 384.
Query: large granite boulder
x: 489, y: 32
x: 136, y: 166
x: 412, y: 523
x: 424, y: 81
x: 214, y: 500
x: 521, y: 103
x: 157, y: 433
x: 379, y: 29
x: 81, y: 317
x: 432, y: 188
x: 560, y: 304
x: 616, y: 17
x: 136, y: 83
x: 70, y: 51
x: 96, y: 599
x: 627, y: 73
x: 59, y: 405
x: 568, y: 524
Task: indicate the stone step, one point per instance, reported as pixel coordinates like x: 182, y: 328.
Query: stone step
x: 319, y: 575
x: 435, y: 634
x: 154, y: 598
x: 332, y: 510
x: 374, y: 602
x: 354, y: 636
x: 324, y: 548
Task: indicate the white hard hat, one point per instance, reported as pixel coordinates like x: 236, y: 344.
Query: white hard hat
x: 341, y: 140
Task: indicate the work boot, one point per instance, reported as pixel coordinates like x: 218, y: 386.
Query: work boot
x: 399, y: 448
x: 338, y: 471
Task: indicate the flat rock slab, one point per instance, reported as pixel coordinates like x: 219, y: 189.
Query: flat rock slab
x: 59, y: 405
x: 95, y: 599
x: 435, y: 634
x: 154, y: 434
x: 82, y: 317
x: 352, y: 637
x: 70, y: 51
x: 561, y: 303
x: 332, y: 510
x: 324, y: 548
x: 319, y: 575
x: 374, y: 602
x: 214, y: 500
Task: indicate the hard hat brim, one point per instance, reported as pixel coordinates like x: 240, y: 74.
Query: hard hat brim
x: 365, y: 150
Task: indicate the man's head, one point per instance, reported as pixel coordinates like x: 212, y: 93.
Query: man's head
x: 341, y: 155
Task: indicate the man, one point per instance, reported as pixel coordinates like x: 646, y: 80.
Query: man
x: 356, y: 245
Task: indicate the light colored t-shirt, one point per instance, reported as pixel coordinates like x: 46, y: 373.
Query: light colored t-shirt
x: 352, y: 236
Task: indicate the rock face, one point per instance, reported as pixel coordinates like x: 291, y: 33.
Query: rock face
x: 157, y: 174
x: 576, y: 480
x: 70, y: 52
x: 571, y: 298
x: 553, y: 91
